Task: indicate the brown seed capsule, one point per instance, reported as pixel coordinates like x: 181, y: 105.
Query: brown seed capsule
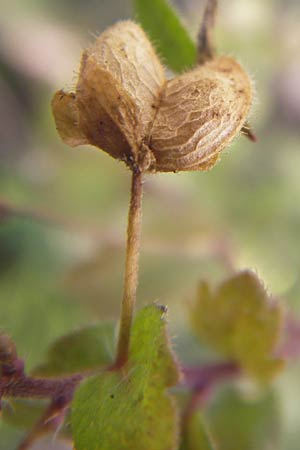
x: 200, y: 113
x: 118, y: 89
x: 124, y: 105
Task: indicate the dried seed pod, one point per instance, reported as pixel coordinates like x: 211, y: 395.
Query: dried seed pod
x: 200, y: 113
x: 66, y: 115
x: 124, y: 105
x: 118, y: 89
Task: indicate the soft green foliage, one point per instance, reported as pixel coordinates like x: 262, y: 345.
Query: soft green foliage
x: 240, y: 320
x: 255, y: 418
x: 168, y: 34
x: 129, y: 408
x: 85, y: 349
x: 186, y: 217
x: 23, y: 413
x: 195, y: 435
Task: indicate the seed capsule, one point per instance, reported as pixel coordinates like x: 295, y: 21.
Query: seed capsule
x: 118, y: 88
x: 124, y: 105
x: 200, y: 113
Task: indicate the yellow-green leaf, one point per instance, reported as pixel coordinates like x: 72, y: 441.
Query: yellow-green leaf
x: 130, y: 408
x: 85, y: 349
x: 241, y: 321
x: 21, y: 412
x: 255, y: 419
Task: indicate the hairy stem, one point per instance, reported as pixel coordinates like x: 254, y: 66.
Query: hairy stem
x: 131, y: 266
x: 27, y: 387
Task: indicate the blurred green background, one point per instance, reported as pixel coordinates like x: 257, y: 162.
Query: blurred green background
x: 62, y: 255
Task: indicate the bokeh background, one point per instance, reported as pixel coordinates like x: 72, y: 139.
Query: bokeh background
x: 62, y: 248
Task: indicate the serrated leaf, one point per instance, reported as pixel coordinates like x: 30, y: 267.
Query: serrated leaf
x: 84, y: 349
x: 164, y: 27
x: 195, y: 436
x: 240, y: 320
x: 130, y: 408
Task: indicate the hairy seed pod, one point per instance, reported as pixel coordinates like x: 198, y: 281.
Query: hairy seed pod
x: 200, y: 113
x: 119, y: 83
x: 65, y: 110
x: 124, y: 105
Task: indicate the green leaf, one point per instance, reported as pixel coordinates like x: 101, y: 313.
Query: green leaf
x: 164, y: 27
x: 85, y: 349
x: 130, y: 408
x: 195, y: 436
x: 255, y: 419
x: 240, y: 320
x: 23, y: 413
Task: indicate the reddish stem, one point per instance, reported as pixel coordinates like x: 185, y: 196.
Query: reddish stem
x: 27, y: 387
x: 197, y: 377
x: 201, y: 381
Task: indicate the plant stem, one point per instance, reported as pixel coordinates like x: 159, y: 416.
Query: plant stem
x: 131, y: 266
x: 206, y: 49
x: 27, y: 387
